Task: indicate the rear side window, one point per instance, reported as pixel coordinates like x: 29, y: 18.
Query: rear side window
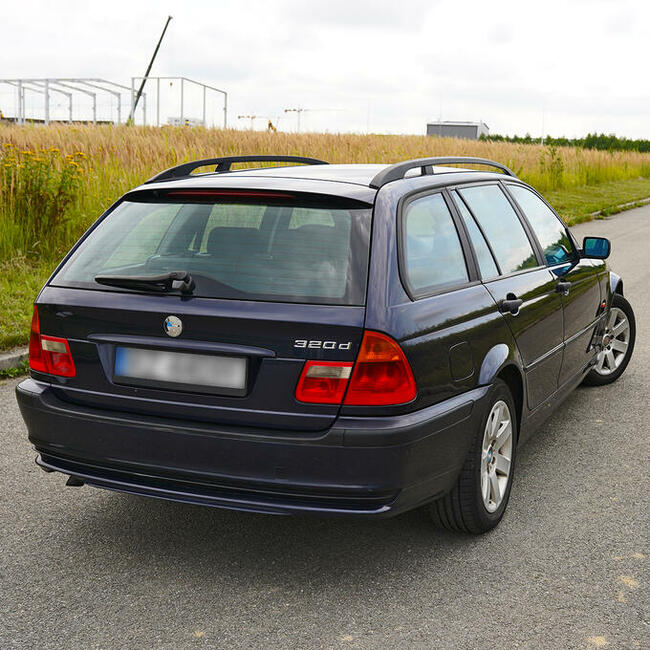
x: 433, y: 257
x: 250, y: 251
x: 501, y: 225
x: 486, y: 262
x: 550, y: 231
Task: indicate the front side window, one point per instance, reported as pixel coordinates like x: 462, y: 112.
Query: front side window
x: 433, y: 255
x: 249, y: 251
x: 501, y: 225
x: 550, y: 231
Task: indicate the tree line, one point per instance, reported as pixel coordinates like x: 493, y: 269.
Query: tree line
x: 601, y: 141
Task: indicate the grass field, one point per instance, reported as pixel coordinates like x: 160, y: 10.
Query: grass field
x: 55, y: 181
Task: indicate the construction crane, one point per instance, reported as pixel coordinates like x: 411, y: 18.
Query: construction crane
x: 300, y: 111
x: 252, y: 118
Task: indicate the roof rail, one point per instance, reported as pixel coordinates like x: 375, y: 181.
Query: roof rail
x: 398, y: 171
x: 224, y: 164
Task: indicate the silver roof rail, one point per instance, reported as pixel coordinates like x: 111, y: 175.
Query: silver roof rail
x: 398, y: 171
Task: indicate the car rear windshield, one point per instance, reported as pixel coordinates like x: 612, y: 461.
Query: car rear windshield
x: 274, y: 250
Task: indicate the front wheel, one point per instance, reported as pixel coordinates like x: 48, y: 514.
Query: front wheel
x: 618, y: 344
x: 478, y: 500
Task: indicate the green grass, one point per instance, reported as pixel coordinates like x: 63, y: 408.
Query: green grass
x: 21, y: 369
x: 579, y: 203
x: 20, y: 282
x: 20, y: 279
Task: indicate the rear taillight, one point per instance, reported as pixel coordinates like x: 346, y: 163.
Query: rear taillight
x: 36, y: 357
x: 323, y: 382
x: 49, y: 354
x: 381, y: 376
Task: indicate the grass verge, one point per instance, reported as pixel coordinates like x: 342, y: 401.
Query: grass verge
x: 578, y: 204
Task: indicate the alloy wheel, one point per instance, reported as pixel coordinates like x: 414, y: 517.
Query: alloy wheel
x: 496, y: 456
x: 615, y: 342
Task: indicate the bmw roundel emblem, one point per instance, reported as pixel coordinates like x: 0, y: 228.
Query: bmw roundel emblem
x: 173, y: 326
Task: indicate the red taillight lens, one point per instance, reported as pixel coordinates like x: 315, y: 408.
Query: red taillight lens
x: 57, y: 356
x: 49, y: 354
x: 36, y: 357
x: 323, y: 382
x: 381, y: 375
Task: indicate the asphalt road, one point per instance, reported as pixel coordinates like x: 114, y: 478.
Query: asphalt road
x: 567, y: 567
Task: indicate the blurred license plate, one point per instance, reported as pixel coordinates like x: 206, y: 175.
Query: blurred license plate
x: 154, y: 367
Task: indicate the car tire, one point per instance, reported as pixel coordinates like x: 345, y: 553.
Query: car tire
x: 466, y: 508
x: 612, y: 361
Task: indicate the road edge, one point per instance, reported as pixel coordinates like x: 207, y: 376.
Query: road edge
x: 13, y: 358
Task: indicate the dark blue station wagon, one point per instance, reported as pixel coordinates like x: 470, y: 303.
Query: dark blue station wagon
x: 312, y: 338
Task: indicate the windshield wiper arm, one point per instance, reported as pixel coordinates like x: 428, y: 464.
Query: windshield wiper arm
x: 172, y: 281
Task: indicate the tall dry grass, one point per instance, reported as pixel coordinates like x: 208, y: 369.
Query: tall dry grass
x: 119, y: 157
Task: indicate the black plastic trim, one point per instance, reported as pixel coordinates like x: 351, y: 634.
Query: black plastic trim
x: 224, y: 165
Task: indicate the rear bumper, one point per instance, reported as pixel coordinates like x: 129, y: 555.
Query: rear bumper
x: 360, y: 466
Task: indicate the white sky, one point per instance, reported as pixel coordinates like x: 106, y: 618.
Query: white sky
x: 387, y: 66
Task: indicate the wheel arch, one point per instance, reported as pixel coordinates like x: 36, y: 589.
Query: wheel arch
x: 616, y: 283
x: 512, y: 376
x: 501, y: 363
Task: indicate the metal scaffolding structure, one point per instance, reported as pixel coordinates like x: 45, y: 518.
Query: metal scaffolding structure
x: 68, y: 87
x: 204, y: 89
x: 76, y: 92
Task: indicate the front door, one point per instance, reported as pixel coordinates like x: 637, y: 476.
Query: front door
x: 576, y: 280
x: 524, y: 290
x: 582, y: 302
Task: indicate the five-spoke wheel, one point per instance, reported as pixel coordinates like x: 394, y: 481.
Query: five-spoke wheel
x: 496, y: 455
x: 617, y: 344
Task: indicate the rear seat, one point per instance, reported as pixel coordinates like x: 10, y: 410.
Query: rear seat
x: 309, y: 258
x: 229, y: 244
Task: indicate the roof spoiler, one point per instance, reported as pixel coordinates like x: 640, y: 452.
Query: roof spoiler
x: 398, y: 171
x: 224, y: 165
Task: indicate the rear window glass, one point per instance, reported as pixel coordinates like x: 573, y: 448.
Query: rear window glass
x: 501, y: 226
x: 486, y: 262
x: 284, y: 253
x: 432, y: 252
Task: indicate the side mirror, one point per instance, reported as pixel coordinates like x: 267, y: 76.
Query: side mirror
x: 597, y: 248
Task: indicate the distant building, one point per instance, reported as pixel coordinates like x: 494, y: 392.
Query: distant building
x: 186, y: 121
x: 467, y: 130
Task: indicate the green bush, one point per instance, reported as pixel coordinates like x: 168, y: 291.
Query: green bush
x: 37, y: 189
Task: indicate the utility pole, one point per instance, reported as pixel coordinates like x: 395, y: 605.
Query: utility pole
x: 146, y: 74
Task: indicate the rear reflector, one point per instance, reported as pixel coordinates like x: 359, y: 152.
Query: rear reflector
x: 49, y: 354
x: 382, y: 376
x: 323, y: 382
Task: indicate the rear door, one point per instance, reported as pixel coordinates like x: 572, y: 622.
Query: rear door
x: 576, y: 280
x: 523, y: 288
x: 279, y: 278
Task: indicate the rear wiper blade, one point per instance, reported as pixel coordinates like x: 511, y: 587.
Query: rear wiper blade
x: 173, y: 281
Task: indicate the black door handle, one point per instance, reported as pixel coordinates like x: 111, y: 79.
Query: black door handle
x: 511, y: 304
x: 563, y: 288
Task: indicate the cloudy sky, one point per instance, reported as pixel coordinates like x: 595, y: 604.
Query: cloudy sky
x: 571, y: 66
